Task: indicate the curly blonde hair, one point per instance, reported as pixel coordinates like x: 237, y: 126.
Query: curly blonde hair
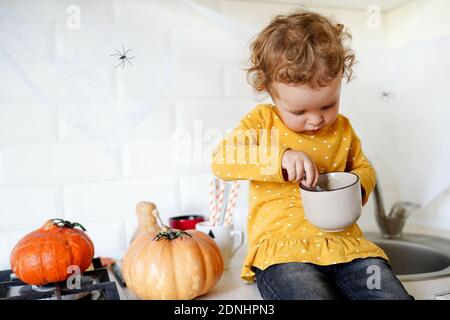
x: 300, y: 48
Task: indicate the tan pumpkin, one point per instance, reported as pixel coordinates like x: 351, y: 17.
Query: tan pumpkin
x: 169, y: 264
x: 146, y: 220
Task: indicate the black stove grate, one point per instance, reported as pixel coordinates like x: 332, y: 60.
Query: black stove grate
x: 107, y: 288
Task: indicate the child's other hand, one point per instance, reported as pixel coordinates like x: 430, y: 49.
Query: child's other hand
x: 296, y: 164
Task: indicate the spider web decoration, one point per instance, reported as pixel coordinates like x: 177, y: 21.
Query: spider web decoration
x: 80, y: 81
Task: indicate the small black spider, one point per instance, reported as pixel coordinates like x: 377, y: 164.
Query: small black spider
x: 385, y: 95
x: 123, y: 57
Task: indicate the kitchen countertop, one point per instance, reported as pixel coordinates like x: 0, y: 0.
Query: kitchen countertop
x: 232, y: 287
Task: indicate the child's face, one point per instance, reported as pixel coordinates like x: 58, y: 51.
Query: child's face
x: 307, y: 110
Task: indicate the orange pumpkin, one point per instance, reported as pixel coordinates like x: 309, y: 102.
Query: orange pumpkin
x: 44, y: 255
x: 169, y: 264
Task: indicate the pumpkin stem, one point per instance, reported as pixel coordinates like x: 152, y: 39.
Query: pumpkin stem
x: 67, y: 224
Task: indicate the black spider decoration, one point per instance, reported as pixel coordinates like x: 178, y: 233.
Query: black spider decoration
x: 123, y: 57
x: 67, y: 224
x: 385, y: 95
x: 171, y: 234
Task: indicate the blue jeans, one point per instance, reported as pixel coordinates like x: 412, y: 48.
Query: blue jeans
x: 360, y: 279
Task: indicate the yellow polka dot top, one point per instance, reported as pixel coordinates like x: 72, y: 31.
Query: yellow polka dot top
x: 277, y: 229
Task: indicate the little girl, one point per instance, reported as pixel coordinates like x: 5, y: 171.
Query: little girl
x: 300, y: 60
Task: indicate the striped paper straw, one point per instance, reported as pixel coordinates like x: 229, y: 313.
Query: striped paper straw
x: 213, y: 217
x: 231, y: 202
x: 226, y: 195
x: 212, y: 196
x: 219, y: 203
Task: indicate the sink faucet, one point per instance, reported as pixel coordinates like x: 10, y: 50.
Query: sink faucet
x: 391, y: 225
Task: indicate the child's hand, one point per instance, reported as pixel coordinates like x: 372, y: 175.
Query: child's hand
x: 296, y: 164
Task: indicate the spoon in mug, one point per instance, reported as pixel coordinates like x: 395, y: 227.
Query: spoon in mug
x: 316, y: 188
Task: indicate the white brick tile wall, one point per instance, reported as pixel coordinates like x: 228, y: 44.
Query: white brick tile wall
x: 199, y: 130
x: 66, y: 41
x: 130, y: 227
x: 148, y: 121
x: 131, y: 10
x: 437, y: 208
x: 27, y: 122
x: 441, y: 208
x: 145, y: 81
x: 194, y: 196
x: 116, y: 200
x: 59, y: 82
x: 21, y: 17
x: 142, y: 10
x: 53, y: 163
x: 94, y: 32
x: 197, y: 116
x: 200, y: 45
x: 434, y: 213
x: 236, y: 85
x: 2, y: 172
x: 57, y: 10
x: 13, y: 89
x: 108, y: 237
x: 69, y: 132
x: 196, y: 81
x: 190, y: 155
x: 149, y: 158
x: 29, y: 208
x: 158, y: 123
x: 254, y: 15
x: 194, y: 169
x: 173, y: 12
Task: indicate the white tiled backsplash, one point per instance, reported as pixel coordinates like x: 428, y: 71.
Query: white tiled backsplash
x: 49, y: 168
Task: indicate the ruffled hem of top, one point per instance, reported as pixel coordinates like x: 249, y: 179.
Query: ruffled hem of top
x: 319, y: 250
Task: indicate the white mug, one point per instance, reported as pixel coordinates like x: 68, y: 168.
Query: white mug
x: 227, y: 239
x: 336, y: 205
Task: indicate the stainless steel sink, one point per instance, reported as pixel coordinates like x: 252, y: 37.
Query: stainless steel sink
x: 416, y: 257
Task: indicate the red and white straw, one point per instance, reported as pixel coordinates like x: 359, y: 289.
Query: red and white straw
x: 220, y: 213
x: 219, y: 204
x: 212, y: 197
x: 214, y: 202
x: 231, y: 203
